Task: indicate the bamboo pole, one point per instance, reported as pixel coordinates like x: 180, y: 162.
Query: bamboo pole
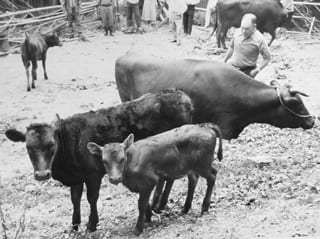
x: 306, y: 3
x: 29, y: 10
x: 311, y: 26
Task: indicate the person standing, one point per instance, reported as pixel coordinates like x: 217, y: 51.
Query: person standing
x: 107, y: 17
x: 72, y: 9
x: 188, y: 16
x: 246, y: 46
x: 210, y: 10
x: 149, y: 11
x: 176, y: 10
x: 133, y: 11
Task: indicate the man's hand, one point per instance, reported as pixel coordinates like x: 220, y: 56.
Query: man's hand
x: 254, y: 72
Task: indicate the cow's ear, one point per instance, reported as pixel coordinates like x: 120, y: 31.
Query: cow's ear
x: 15, y: 135
x: 128, y: 141
x: 94, y: 149
x: 275, y: 83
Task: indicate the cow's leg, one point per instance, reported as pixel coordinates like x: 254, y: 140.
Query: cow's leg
x: 76, y: 193
x: 27, y: 66
x: 44, y: 57
x: 273, y: 36
x: 165, y: 194
x: 193, y: 180
x: 223, y: 36
x: 34, y: 72
x: 157, y: 194
x: 143, y: 206
x: 93, y: 188
x: 211, y: 179
x: 148, y: 213
x: 218, y: 36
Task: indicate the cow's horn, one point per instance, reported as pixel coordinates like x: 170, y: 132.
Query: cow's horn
x: 292, y: 91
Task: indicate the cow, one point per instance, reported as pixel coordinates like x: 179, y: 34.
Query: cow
x: 270, y: 15
x: 59, y: 150
x: 34, y: 48
x: 172, y: 154
x: 219, y: 92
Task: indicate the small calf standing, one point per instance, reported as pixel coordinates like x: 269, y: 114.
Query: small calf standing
x: 172, y: 154
x: 34, y: 49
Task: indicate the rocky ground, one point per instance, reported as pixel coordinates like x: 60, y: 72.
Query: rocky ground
x: 278, y: 200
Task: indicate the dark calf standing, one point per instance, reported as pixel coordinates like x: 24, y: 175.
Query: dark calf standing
x: 60, y: 149
x: 172, y: 154
x: 34, y: 49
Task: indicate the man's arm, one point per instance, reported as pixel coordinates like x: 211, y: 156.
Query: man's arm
x: 229, y: 52
x: 266, y: 58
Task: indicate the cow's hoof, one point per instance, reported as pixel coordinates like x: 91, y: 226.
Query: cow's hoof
x: 28, y: 89
x: 91, y: 228
x: 204, y: 211
x: 75, y: 227
x: 33, y: 86
x: 46, y: 77
x: 137, y: 231
x: 185, y: 210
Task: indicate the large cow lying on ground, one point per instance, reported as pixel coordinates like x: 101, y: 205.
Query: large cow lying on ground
x: 270, y: 15
x: 34, y: 49
x: 172, y: 154
x: 60, y: 149
x: 220, y: 93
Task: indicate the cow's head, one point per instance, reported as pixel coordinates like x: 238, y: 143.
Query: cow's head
x: 286, y: 19
x: 113, y: 156
x: 291, y: 112
x: 52, y: 39
x: 41, y: 145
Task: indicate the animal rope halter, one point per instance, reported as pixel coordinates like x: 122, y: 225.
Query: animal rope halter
x: 287, y: 108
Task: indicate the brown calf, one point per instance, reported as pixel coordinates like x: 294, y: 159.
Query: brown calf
x: 34, y: 49
x: 172, y: 154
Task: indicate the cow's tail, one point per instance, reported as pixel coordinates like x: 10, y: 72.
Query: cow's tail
x: 218, y: 132
x: 26, y: 45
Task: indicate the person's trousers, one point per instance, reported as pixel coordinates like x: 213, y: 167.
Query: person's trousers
x: 188, y: 19
x: 177, y: 26
x: 133, y: 10
x: 246, y: 70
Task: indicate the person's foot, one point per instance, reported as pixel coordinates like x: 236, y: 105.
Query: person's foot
x: 173, y: 40
x: 128, y: 30
x: 140, y: 30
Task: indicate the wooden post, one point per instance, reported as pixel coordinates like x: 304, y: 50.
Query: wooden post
x: 4, y: 43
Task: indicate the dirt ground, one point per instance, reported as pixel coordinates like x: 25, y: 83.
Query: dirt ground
x: 279, y: 200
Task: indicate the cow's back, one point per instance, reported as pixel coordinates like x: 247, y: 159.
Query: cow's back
x: 269, y: 13
x: 165, y: 151
x: 208, y: 83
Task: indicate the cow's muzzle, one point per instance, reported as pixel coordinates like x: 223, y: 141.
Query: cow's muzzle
x: 42, y: 175
x: 310, y: 123
x: 115, y: 180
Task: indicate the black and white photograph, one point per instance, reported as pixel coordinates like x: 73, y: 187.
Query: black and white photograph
x: 160, y: 119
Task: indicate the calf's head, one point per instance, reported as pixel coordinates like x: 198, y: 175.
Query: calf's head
x: 52, y: 39
x: 113, y: 157
x: 41, y: 145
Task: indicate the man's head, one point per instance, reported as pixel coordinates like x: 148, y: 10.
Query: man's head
x: 248, y: 24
